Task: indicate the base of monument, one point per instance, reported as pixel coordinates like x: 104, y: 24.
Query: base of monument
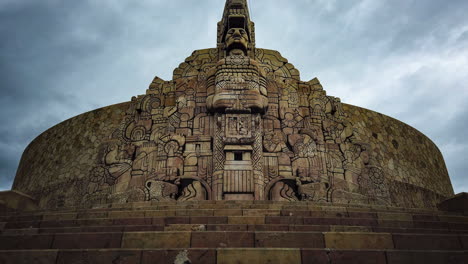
x: 239, y: 197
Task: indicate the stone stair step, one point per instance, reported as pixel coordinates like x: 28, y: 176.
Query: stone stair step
x: 248, y: 239
x: 224, y: 227
x: 233, y: 255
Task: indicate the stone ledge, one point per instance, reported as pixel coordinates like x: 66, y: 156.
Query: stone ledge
x: 458, y: 203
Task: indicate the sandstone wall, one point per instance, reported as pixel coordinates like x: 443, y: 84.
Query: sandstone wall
x: 412, y: 163
x: 55, y: 167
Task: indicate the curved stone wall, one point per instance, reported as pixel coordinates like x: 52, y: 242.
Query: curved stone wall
x: 416, y: 171
x: 55, y: 167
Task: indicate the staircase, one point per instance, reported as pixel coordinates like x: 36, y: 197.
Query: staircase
x: 234, y: 232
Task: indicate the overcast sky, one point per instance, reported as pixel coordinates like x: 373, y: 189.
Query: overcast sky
x: 404, y: 58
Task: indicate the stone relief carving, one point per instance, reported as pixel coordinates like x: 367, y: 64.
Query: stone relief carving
x: 236, y: 122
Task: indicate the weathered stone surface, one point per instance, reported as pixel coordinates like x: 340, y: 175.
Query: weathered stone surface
x: 179, y: 256
x: 87, y: 240
x: 342, y: 240
x: 15, y: 200
x: 426, y: 242
x: 222, y: 239
x: 156, y: 240
x: 246, y: 220
x: 99, y: 256
x: 260, y: 256
x: 28, y: 257
x: 289, y: 239
x: 457, y: 203
x: 26, y: 242
x: 426, y: 257
x: 234, y: 123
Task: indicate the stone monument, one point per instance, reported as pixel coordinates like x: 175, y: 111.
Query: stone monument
x: 236, y: 122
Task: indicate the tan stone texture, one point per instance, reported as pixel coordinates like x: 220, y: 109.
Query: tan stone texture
x: 351, y: 240
x: 235, y: 123
x: 156, y: 240
x: 260, y: 256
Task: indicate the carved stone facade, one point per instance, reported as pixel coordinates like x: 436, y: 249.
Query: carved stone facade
x: 237, y: 123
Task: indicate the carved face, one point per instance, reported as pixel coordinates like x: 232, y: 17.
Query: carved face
x: 237, y: 38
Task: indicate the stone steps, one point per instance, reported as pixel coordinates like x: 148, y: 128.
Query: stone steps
x: 223, y: 239
x: 234, y: 255
x: 223, y: 232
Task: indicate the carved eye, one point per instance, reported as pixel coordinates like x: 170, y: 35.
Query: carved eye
x: 242, y: 31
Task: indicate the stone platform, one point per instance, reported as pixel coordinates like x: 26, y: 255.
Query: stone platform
x: 234, y: 232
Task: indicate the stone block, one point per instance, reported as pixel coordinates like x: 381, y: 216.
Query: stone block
x: 355, y: 256
x: 227, y: 227
x: 22, y: 224
x: 347, y: 240
x: 458, y: 203
x: 67, y: 216
x: 426, y: 257
x: 289, y: 239
x: 58, y: 223
x: 359, y: 222
x: 260, y: 212
x: 89, y: 214
x: 464, y: 241
x: 321, y: 221
x: 126, y: 214
x: 227, y: 212
x: 284, y: 220
x: 246, y: 220
x: 396, y: 224
x: 150, y: 228
x: 268, y: 227
x: 157, y: 213
x: 25, y: 242
x: 395, y: 216
x: 87, y: 241
x: 458, y: 226
x: 95, y: 222
x: 309, y: 228
x: 13, y: 200
x: 425, y: 217
x: 158, y: 221
x: 356, y: 214
x: 28, y: 257
x: 328, y: 214
x: 204, y: 256
x: 27, y: 231
x: 99, y: 256
x: 191, y: 227
x: 294, y: 213
x: 222, y: 239
x: 360, y: 229
x: 432, y: 225
x: 208, y: 220
x: 426, y: 242
x: 156, y: 240
x: 192, y: 212
x: 258, y: 256
x: 315, y: 256
x: 177, y: 220
x: 132, y: 221
x: 453, y: 218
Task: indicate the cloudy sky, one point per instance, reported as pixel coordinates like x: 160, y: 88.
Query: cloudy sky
x: 404, y: 58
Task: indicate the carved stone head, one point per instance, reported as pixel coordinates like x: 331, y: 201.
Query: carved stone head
x: 237, y: 39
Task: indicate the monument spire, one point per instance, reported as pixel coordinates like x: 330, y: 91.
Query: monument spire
x: 236, y: 17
